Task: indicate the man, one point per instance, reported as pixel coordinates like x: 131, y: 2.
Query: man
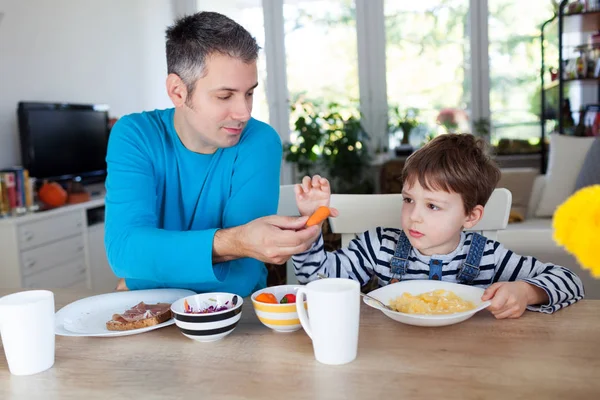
x: 188, y: 188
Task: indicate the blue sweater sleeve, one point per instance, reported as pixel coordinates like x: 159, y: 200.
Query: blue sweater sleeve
x: 138, y: 249
x: 255, y: 180
x: 254, y: 189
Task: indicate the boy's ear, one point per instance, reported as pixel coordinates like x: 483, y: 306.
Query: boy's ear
x: 473, y: 217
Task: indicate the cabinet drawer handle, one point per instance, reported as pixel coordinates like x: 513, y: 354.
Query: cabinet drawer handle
x: 28, y: 236
x: 30, y: 264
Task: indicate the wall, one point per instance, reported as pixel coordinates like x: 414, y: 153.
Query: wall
x: 107, y: 51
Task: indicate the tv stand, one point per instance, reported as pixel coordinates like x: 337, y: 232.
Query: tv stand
x: 56, y: 248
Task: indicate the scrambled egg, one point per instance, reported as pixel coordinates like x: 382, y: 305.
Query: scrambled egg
x: 435, y: 302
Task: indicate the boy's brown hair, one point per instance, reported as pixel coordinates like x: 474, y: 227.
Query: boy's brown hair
x: 456, y: 163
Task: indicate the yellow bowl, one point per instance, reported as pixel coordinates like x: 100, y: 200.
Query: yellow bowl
x: 279, y: 317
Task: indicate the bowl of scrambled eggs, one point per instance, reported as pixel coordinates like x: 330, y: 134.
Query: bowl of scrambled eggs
x: 428, y: 302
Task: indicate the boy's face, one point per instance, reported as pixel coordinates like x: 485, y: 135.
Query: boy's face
x: 433, y: 220
x: 220, y: 106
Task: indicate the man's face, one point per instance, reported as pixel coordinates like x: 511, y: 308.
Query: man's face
x: 221, y: 103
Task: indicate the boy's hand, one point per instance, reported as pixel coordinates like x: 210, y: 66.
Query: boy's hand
x: 313, y: 193
x: 510, y: 299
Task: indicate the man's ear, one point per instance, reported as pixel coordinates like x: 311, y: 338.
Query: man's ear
x: 473, y: 217
x: 176, y: 90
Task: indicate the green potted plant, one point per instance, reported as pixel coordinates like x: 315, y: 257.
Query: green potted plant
x: 404, y: 121
x: 331, y: 142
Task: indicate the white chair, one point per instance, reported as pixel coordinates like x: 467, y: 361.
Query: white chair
x: 361, y: 212
x: 287, y: 201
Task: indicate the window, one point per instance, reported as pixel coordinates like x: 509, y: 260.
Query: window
x: 321, y: 54
x: 427, y: 61
x: 515, y: 61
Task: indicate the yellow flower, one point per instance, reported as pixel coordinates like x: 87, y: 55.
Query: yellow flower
x: 576, y: 226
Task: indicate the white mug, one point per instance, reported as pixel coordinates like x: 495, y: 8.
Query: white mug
x: 27, y: 330
x: 333, y: 316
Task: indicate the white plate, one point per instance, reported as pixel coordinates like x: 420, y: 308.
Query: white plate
x: 88, y: 317
x: 416, y: 287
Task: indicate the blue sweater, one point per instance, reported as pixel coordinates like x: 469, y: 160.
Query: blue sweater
x: 164, y: 204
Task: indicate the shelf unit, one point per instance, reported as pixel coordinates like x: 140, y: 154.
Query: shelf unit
x: 588, y: 21
x: 545, y: 88
x: 565, y: 22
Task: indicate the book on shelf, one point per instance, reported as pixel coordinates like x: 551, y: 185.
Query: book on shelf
x: 16, y: 191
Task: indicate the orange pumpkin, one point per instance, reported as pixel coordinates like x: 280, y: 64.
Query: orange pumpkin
x: 52, y: 194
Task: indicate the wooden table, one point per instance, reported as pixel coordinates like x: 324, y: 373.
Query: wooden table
x: 536, y: 356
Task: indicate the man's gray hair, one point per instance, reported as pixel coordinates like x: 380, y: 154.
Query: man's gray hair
x: 191, y: 39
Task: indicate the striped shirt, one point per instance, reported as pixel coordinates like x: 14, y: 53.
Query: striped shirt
x: 369, y: 255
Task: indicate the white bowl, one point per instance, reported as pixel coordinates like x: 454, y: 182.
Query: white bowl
x: 207, y: 327
x: 416, y: 287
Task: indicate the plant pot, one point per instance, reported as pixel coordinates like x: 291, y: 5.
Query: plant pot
x: 405, y: 137
x: 404, y: 150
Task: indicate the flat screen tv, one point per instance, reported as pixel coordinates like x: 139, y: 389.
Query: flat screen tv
x: 64, y: 141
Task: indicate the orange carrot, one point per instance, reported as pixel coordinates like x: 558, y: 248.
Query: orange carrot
x: 267, y: 298
x: 318, y: 216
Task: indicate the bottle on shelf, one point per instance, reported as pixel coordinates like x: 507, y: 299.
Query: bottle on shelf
x: 568, y: 123
x: 580, y: 129
x: 582, y: 64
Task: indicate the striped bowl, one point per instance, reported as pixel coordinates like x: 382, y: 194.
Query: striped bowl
x: 212, y: 326
x: 279, y: 317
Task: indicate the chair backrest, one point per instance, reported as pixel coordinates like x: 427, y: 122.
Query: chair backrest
x: 287, y: 201
x: 361, y: 212
x: 287, y: 207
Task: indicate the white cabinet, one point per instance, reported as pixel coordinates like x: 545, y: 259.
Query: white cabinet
x: 60, y: 248
x: 52, y: 253
x: 102, y: 277
x: 47, y: 230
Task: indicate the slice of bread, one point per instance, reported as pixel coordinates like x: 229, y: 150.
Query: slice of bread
x: 119, y: 324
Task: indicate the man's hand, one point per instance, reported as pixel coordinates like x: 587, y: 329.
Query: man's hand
x: 510, y: 299
x: 273, y: 239
x: 121, y: 286
x: 313, y: 193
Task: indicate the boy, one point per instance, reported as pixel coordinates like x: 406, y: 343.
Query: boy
x: 446, y: 185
